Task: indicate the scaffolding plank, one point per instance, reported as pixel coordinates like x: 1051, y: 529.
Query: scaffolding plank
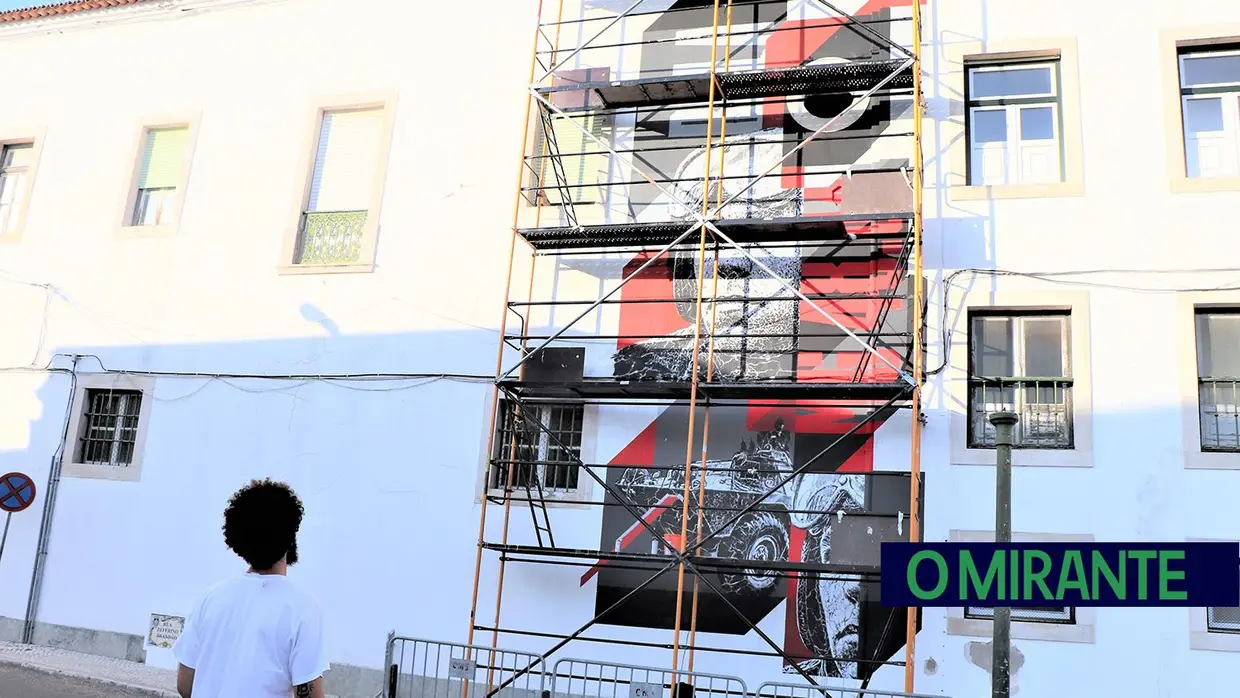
x: 828, y: 227
x: 663, y: 90
x: 680, y: 390
x: 703, y: 562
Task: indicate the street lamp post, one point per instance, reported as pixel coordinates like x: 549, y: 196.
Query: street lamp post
x: 1001, y: 642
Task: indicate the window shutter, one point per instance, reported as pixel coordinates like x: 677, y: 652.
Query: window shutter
x: 581, y: 171
x: 344, y: 164
x: 163, y: 158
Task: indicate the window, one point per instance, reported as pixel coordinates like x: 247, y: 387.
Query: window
x: 546, y: 456
x: 1223, y: 619
x: 1210, y: 96
x: 333, y: 224
x: 1014, y: 124
x: 1021, y: 363
x: 1034, y: 614
x: 566, y: 164
x: 1218, y: 378
x: 15, y: 162
x: 109, y: 427
x: 159, y: 175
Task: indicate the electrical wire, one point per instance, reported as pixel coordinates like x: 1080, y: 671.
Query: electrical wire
x: 1056, y: 277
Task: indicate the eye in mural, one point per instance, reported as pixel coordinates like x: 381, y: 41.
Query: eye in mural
x: 840, y: 510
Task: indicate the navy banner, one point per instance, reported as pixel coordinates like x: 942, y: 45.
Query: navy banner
x: 1060, y: 574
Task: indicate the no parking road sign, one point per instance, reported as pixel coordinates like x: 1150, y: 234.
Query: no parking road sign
x: 16, y: 492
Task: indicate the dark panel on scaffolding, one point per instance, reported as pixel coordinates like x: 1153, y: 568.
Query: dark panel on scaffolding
x: 659, y: 91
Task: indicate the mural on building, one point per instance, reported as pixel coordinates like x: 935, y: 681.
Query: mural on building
x: 762, y: 332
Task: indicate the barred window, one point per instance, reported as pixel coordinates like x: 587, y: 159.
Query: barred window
x: 1218, y: 378
x: 109, y: 427
x: 1034, y: 614
x: 541, y: 443
x: 1223, y: 619
x: 1021, y: 363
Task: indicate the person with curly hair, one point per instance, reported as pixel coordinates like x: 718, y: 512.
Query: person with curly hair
x: 256, y: 635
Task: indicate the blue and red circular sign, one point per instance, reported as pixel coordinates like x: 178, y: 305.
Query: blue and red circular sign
x: 16, y: 492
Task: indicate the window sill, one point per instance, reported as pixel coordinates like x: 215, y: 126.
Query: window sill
x: 1196, y: 459
x: 1016, y: 191
x: 147, y: 231
x: 1204, y: 185
x: 127, y: 473
x: 1025, y: 457
x: 1216, y: 642
x: 1052, y: 632
x: 350, y: 268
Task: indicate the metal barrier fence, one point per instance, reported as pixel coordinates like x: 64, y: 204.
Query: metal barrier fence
x: 585, y: 677
x: 775, y: 689
x: 430, y: 669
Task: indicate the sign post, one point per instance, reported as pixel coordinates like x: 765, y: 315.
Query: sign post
x: 17, y: 492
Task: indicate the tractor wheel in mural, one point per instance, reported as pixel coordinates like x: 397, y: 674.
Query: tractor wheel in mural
x: 828, y: 617
x: 762, y: 536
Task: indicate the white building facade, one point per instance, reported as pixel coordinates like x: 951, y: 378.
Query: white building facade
x: 269, y: 238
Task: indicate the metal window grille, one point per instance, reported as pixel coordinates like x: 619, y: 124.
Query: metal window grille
x: 1218, y: 379
x: 110, y: 427
x: 532, y: 451
x: 330, y: 237
x: 1021, y: 364
x: 1223, y: 619
x: 1065, y: 615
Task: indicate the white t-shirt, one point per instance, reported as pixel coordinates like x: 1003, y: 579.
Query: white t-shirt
x: 253, y: 636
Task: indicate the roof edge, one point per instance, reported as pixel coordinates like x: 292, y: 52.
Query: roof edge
x: 64, y: 8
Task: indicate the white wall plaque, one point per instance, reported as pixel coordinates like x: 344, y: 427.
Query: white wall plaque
x: 462, y: 668
x: 164, y: 630
x: 645, y: 690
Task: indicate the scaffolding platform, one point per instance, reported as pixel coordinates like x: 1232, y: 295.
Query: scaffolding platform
x: 662, y: 91
x: 828, y: 227
x: 682, y: 390
x: 702, y: 562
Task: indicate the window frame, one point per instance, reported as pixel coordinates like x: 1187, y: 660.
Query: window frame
x: 960, y: 57
x: 73, y: 464
x: 35, y: 138
x: 386, y: 104
x: 1012, y: 107
x: 125, y: 225
x: 549, y: 493
x: 1172, y: 43
x: 1084, y: 618
x: 1025, y: 297
x: 977, y: 382
x: 1222, y: 91
x: 1200, y: 634
x: 970, y: 613
x: 1209, y: 310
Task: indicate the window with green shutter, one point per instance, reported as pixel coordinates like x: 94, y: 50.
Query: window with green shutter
x: 159, y: 174
x: 341, y: 187
x: 583, y: 159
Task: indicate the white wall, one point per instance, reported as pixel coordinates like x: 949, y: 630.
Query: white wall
x: 388, y: 477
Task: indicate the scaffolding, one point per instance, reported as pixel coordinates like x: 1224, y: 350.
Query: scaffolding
x: 597, y: 198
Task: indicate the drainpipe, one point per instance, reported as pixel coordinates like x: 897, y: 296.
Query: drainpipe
x: 1001, y: 642
x: 49, y: 506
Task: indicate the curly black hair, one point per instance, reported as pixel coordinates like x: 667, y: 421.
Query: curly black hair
x: 261, y: 523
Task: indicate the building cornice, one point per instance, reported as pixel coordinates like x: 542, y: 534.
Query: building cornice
x: 65, y: 17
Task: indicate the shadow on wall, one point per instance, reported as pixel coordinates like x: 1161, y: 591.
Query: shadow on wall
x: 387, y: 463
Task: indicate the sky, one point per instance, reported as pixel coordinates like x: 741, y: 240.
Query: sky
x: 14, y: 4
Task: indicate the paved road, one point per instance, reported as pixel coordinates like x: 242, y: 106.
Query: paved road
x: 18, y: 682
